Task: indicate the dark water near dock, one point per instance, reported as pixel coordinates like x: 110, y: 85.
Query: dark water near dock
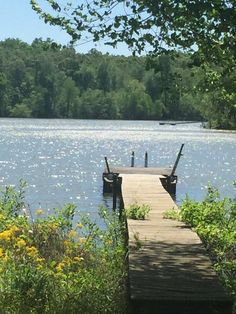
x: 63, y: 160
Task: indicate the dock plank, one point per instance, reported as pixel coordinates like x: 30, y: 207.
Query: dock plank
x: 141, y: 170
x: 172, y: 264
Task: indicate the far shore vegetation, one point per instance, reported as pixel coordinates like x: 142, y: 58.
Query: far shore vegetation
x: 45, y: 80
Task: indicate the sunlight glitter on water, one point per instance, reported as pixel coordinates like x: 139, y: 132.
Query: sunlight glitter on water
x: 63, y: 160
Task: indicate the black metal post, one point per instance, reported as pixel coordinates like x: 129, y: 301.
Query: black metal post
x: 107, y: 165
x: 146, y: 160
x: 114, y: 191
x: 177, y: 160
x: 132, y: 159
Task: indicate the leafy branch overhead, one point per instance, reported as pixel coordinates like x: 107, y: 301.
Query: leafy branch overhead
x: 150, y: 25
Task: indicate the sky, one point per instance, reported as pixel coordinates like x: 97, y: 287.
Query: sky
x: 18, y: 20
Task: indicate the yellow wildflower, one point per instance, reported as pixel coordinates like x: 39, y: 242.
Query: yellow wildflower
x: 1, y: 252
x: 14, y: 229
x: 39, y: 267
x: 5, y: 258
x: 32, y: 251
x: 40, y: 260
x: 82, y: 240
x: 80, y: 225
x: 53, y: 226
x: 72, y: 234
x: 21, y: 243
x: 67, y: 243
x: 67, y: 260
x: 60, y: 267
x: 6, y: 235
x: 108, y: 242
x: 39, y: 211
x: 3, y: 255
x: 68, y: 251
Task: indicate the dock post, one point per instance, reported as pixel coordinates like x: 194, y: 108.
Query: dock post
x: 114, y: 190
x: 146, y: 160
x: 132, y: 159
x: 107, y: 165
x: 177, y: 160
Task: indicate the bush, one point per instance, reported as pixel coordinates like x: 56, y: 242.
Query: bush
x: 56, y: 265
x: 214, y: 220
x: 138, y: 212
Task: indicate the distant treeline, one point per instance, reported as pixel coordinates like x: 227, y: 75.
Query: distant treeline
x: 43, y: 80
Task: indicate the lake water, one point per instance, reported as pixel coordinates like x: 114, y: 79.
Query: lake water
x: 63, y: 160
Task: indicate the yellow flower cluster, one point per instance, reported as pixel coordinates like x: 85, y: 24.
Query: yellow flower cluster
x: 108, y: 242
x: 1, y: 252
x: 39, y: 211
x: 60, y: 267
x: 72, y: 234
x: 82, y: 240
x: 15, y: 243
x: 67, y: 262
x: 32, y: 252
x: 8, y: 234
x: 53, y: 226
x: 20, y: 243
x: 3, y: 255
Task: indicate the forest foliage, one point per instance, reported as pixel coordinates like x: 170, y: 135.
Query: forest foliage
x: 43, y: 80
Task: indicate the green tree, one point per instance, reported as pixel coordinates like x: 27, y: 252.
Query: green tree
x: 148, y: 24
x: 68, y: 99
x: 207, y: 29
x: 218, y: 105
x: 41, y: 80
x: 136, y: 103
x: 3, y: 94
x: 20, y: 111
x: 103, y: 77
x: 85, y: 77
x: 45, y: 77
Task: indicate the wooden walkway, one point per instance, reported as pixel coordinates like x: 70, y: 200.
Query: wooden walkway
x: 171, y: 272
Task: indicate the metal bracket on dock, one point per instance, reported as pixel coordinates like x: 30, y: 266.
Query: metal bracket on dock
x: 107, y: 165
x: 110, y: 183
x: 108, y: 178
x: 177, y: 161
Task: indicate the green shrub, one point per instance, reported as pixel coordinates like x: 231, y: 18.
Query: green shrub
x: 214, y: 220
x: 52, y: 266
x: 138, y: 212
x: 172, y: 214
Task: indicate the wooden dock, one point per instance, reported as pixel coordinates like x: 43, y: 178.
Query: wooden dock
x: 171, y: 272
x: 166, y: 175
x: 168, y: 179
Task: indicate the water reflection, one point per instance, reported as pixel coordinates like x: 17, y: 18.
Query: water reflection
x: 63, y: 160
